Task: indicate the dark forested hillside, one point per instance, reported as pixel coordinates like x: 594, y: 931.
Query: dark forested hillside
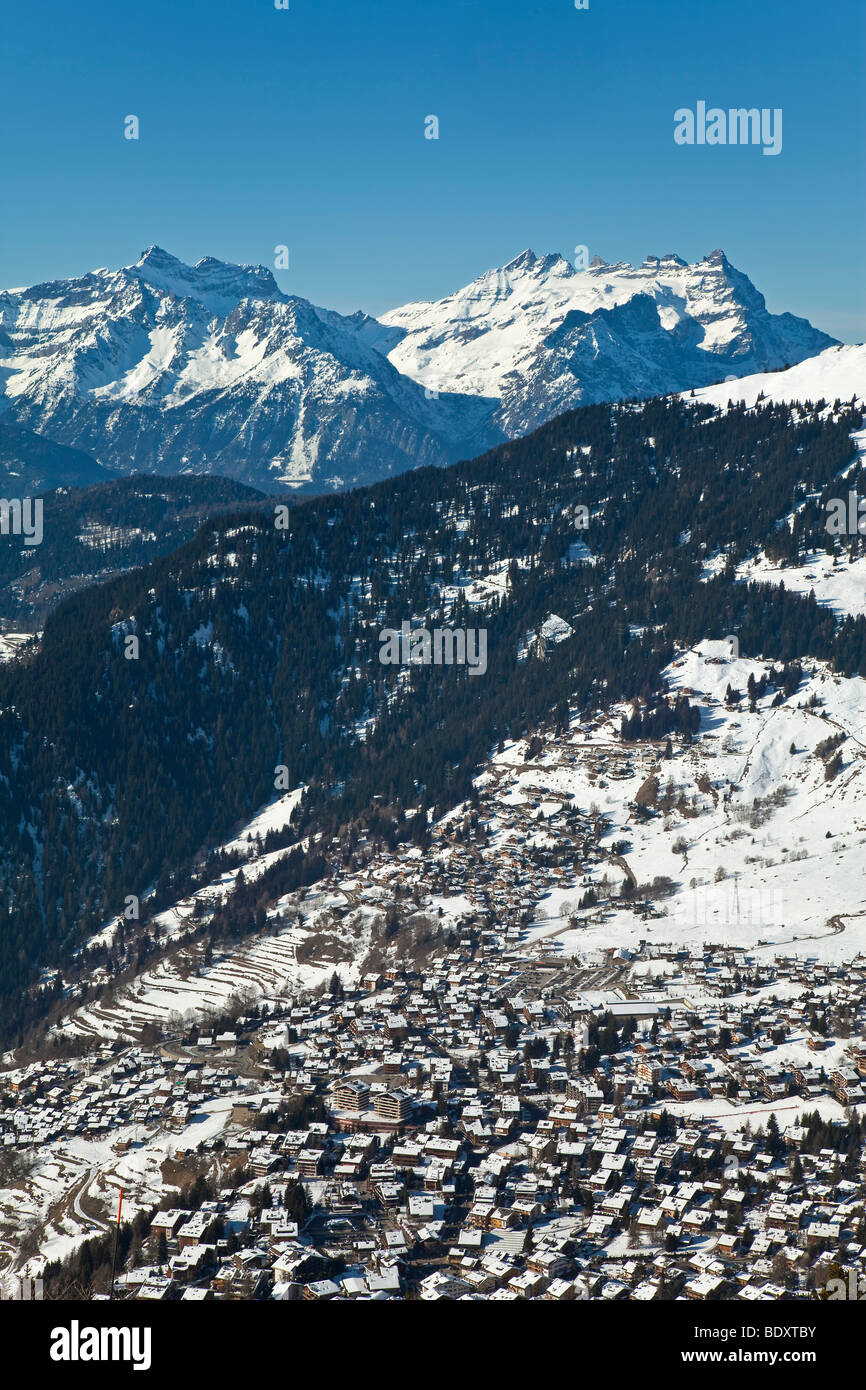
x: 30, y: 464
x: 161, y: 704
x: 91, y: 533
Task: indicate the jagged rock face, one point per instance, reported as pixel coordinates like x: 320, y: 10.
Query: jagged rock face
x: 544, y: 337
x: 166, y: 367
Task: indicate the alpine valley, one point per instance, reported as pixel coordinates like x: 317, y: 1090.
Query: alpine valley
x: 368, y: 980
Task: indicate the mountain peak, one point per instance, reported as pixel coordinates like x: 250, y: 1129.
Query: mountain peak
x: 156, y: 256
x: 669, y: 259
x: 219, y: 285
x: 524, y: 261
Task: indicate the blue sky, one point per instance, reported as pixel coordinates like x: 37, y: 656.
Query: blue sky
x: 305, y: 127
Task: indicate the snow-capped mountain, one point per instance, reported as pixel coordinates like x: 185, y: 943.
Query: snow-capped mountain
x: 210, y: 368
x: 167, y: 367
x: 544, y: 337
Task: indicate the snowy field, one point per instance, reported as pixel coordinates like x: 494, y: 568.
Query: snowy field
x: 840, y: 587
x: 838, y: 373
x: 769, y: 857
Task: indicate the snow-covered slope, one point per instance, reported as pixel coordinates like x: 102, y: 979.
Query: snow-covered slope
x: 837, y: 584
x: 838, y: 373
x: 168, y: 367
x: 762, y: 850
x: 544, y: 337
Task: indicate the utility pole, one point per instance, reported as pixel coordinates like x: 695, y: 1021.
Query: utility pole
x: 116, y: 1236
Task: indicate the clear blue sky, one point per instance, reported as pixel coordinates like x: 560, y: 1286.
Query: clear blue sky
x: 306, y: 127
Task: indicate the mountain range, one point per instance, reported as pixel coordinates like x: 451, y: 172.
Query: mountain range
x: 542, y: 337
x: 163, y: 367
